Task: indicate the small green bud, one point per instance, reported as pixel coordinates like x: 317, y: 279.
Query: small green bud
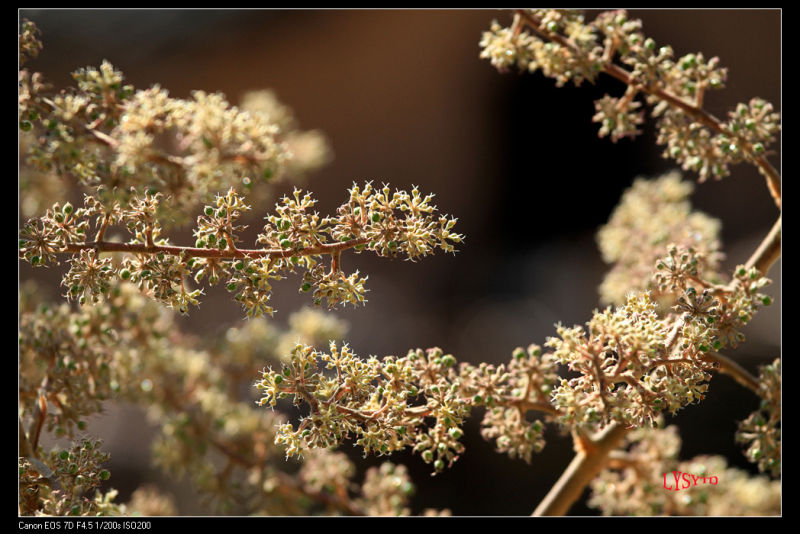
x: 75, y: 510
x: 72, y: 468
x: 438, y: 465
x: 427, y: 456
x: 105, y: 474
x: 766, y: 300
x: 223, y: 243
x: 286, y: 243
x: 125, y: 274
x: 212, y: 239
x: 209, y: 211
x: 455, y: 433
x: 305, y: 287
x: 63, y: 455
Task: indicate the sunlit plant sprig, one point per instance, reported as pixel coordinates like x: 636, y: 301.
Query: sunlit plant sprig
x: 563, y: 46
x: 634, y: 362
x: 295, y: 238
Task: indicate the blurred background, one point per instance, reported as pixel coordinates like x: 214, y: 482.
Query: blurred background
x: 403, y: 98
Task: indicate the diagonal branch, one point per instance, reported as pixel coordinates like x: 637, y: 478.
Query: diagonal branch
x: 583, y: 468
x: 771, y: 174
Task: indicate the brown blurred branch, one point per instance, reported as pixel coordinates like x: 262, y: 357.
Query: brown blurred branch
x: 583, y: 468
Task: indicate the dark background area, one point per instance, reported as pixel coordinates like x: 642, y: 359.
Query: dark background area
x: 403, y: 98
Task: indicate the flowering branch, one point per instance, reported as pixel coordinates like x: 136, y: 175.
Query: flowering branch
x: 566, y: 48
x: 730, y: 367
x: 386, y: 223
x: 658, y: 91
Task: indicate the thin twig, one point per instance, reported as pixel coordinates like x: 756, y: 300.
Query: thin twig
x: 768, y: 251
x: 736, y: 371
x: 194, y: 252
